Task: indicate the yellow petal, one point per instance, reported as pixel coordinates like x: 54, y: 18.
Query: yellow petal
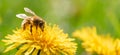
x: 62, y: 52
x: 22, y: 49
x: 29, y: 51
x: 52, y: 50
x: 48, y: 52
x: 12, y: 47
x: 42, y: 53
x: 7, y: 42
x: 35, y: 52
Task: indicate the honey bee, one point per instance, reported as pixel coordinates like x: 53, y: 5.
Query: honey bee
x: 33, y: 20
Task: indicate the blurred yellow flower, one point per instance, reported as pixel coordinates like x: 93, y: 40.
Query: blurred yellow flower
x: 100, y: 44
x: 51, y: 41
x: 117, y: 46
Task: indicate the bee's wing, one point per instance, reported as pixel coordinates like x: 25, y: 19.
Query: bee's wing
x: 29, y: 11
x: 23, y: 16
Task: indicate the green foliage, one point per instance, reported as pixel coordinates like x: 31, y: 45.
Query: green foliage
x: 68, y: 14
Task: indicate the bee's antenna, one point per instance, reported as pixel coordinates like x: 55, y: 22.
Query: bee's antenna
x: 29, y: 11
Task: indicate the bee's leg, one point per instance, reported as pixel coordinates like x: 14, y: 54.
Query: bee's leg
x: 41, y: 25
x: 42, y: 28
x: 38, y: 52
x: 23, y: 27
x: 36, y: 26
x: 31, y: 28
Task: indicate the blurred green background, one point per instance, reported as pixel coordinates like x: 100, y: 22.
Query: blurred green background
x: 68, y: 14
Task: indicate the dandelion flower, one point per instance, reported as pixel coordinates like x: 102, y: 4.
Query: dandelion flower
x: 50, y: 42
x: 103, y: 45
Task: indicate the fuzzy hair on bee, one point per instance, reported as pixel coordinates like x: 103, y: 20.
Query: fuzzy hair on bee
x: 33, y: 20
